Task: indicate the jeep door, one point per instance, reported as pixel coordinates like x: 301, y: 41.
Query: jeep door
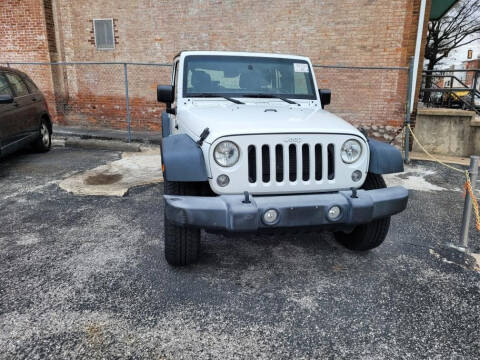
x: 25, y: 103
x: 40, y: 105
x: 173, y: 117
x: 8, y: 112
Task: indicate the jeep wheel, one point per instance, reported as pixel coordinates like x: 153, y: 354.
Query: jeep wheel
x: 367, y: 236
x: 44, y: 141
x: 182, y: 244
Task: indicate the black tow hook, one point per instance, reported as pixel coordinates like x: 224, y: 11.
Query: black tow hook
x: 354, y: 193
x: 247, y: 198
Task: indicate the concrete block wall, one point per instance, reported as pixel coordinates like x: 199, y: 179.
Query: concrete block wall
x: 475, y: 138
x: 448, y: 132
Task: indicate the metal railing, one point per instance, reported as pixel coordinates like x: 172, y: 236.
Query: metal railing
x: 449, y: 89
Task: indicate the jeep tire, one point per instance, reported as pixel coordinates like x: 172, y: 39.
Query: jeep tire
x: 182, y: 244
x: 367, y: 236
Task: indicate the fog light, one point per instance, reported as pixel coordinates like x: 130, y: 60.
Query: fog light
x: 356, y: 175
x: 270, y: 216
x: 223, y: 180
x: 334, y: 212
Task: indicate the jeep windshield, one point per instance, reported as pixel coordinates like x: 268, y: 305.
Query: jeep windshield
x: 246, y: 76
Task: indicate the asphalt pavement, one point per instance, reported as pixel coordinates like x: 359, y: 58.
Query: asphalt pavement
x: 83, y: 277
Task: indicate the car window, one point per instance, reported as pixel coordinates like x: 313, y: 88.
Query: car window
x: 31, y: 85
x: 4, y: 86
x: 17, y: 84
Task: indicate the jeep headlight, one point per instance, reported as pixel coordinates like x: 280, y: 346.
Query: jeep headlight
x: 351, y: 151
x: 226, y: 153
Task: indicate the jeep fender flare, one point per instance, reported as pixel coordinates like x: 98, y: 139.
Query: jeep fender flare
x: 182, y: 159
x: 165, y: 124
x: 384, y: 158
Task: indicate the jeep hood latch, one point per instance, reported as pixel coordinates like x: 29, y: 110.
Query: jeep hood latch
x: 203, y: 136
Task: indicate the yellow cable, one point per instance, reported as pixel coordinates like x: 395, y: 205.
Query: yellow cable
x: 468, y: 187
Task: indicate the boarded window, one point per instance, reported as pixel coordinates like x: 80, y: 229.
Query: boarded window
x: 104, y: 38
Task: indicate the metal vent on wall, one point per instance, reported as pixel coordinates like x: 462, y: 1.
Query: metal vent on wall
x: 104, y: 36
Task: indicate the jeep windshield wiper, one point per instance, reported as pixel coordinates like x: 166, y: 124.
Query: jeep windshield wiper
x: 270, y: 96
x: 210, y: 95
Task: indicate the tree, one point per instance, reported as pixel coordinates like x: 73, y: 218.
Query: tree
x: 460, y: 26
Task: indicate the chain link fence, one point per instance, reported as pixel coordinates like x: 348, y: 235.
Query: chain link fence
x: 373, y: 98
x: 123, y: 95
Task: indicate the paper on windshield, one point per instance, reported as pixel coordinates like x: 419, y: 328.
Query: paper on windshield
x: 300, y: 67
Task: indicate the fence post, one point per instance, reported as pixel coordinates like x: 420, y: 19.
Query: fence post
x: 467, y: 208
x: 129, y: 120
x: 407, y: 118
x: 474, y: 89
x: 450, y: 93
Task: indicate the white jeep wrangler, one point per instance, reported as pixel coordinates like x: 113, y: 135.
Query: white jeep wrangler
x: 248, y: 147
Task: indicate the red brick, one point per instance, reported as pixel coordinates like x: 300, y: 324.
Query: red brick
x: 331, y: 32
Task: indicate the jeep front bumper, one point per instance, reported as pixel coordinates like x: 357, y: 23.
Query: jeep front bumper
x: 231, y: 213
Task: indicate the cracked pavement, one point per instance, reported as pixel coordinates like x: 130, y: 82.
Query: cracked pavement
x: 83, y: 277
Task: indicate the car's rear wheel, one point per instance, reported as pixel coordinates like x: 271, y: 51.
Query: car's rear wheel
x: 182, y: 244
x: 44, y: 141
x: 367, y: 236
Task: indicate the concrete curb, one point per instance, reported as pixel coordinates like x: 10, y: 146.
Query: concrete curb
x: 105, y: 139
x: 113, y: 145
x: 145, y: 137
x: 465, y: 161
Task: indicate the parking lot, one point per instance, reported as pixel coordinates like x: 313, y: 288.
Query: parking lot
x: 84, y: 277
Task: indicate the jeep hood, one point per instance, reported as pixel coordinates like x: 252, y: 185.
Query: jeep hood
x: 224, y: 120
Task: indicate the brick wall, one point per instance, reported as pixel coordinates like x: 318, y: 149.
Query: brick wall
x: 23, y: 37
x: 358, y: 33
x: 472, y: 65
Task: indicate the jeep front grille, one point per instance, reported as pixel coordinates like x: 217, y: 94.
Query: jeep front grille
x: 292, y: 162
x: 287, y: 164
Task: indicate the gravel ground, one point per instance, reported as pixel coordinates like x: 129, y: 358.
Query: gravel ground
x: 84, y: 277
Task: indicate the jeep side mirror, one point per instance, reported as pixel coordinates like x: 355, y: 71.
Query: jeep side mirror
x: 165, y: 94
x: 325, y: 96
x: 6, y: 99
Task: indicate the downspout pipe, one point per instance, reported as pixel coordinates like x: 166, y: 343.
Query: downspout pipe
x: 418, y: 48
